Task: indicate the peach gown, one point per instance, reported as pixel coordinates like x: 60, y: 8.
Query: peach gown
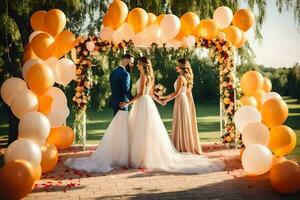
x: 184, y: 126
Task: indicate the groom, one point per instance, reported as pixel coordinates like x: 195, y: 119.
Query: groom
x: 120, y: 83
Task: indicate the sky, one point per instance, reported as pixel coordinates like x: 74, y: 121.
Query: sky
x: 280, y: 46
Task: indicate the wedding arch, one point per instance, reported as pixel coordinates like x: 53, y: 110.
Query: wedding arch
x: 88, y: 48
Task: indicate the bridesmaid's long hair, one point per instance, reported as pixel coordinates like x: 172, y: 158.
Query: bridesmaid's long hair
x: 187, y: 71
x: 147, y: 67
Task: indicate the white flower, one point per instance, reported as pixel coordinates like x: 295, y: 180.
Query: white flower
x: 224, y: 84
x: 77, y: 94
x: 78, y: 101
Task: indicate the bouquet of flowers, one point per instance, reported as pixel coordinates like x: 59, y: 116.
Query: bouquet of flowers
x: 159, y: 90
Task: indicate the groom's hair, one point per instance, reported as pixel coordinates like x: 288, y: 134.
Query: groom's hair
x: 127, y: 56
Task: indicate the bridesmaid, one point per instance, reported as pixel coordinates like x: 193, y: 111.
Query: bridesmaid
x: 184, y: 126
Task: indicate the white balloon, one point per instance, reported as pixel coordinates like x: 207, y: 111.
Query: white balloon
x: 33, y: 34
x: 257, y: 159
x: 270, y: 95
x: 23, y: 102
x: 170, y: 27
x: 256, y: 133
x: 223, y: 15
x: 34, y: 126
x: 126, y: 31
x: 246, y: 115
x: 23, y: 149
x: 174, y: 43
x: 188, y: 41
x: 57, y: 117
x: 222, y: 35
x: 152, y: 33
x: 28, y: 65
x: 139, y: 39
x: 90, y: 45
x: 66, y: 71
x: 11, y: 87
x: 59, y: 97
x: 117, y: 37
x: 52, y: 63
x: 106, y: 33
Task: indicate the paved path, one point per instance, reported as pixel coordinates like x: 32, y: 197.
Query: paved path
x: 231, y: 184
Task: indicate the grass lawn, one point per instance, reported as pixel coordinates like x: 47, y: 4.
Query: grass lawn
x: 208, y: 122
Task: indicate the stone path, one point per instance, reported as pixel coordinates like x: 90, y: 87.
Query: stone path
x: 231, y: 184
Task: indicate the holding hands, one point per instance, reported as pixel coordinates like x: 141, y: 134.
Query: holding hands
x: 123, y: 104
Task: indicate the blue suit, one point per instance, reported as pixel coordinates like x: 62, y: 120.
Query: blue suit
x: 120, y: 88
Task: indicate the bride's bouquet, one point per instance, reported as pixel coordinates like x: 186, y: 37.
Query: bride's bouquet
x: 159, y: 91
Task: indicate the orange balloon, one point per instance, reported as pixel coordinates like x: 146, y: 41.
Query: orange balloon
x: 285, y: 176
x: 208, y: 29
x: 248, y: 101
x: 233, y: 35
x: 64, y: 42
x: 62, y: 137
x: 251, y: 82
x: 189, y: 21
x: 274, y: 112
x: 17, y: 179
x: 151, y: 19
x: 138, y: 19
x: 243, y: 40
x: 55, y: 21
x: 106, y: 20
x: 244, y: 19
x: 258, y: 95
x: 49, y: 157
x: 40, y: 78
x: 118, y: 12
x: 37, y: 172
x: 43, y: 45
x: 45, y: 104
x: 277, y: 160
x: 267, y: 87
x: 282, y: 140
x: 28, y: 54
x: 37, y: 20
x: 180, y: 36
x: 159, y: 18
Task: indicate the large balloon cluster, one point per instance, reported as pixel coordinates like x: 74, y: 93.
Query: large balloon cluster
x: 41, y: 108
x: 260, y: 120
x: 144, y: 29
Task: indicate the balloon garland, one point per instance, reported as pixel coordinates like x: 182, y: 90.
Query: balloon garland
x: 260, y: 120
x: 146, y: 30
x: 41, y: 108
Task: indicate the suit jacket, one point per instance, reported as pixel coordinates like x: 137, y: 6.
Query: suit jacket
x: 120, y: 87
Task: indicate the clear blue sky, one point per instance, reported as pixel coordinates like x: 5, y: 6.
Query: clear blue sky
x: 281, y: 43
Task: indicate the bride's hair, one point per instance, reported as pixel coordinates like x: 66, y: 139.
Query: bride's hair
x: 187, y: 71
x: 147, y: 67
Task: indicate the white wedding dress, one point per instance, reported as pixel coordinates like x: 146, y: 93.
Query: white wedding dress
x: 143, y: 140
x: 151, y: 147
x: 112, y: 151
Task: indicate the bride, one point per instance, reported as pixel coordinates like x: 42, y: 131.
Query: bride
x: 146, y: 144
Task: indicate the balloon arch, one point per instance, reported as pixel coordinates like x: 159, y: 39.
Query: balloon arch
x: 136, y: 30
